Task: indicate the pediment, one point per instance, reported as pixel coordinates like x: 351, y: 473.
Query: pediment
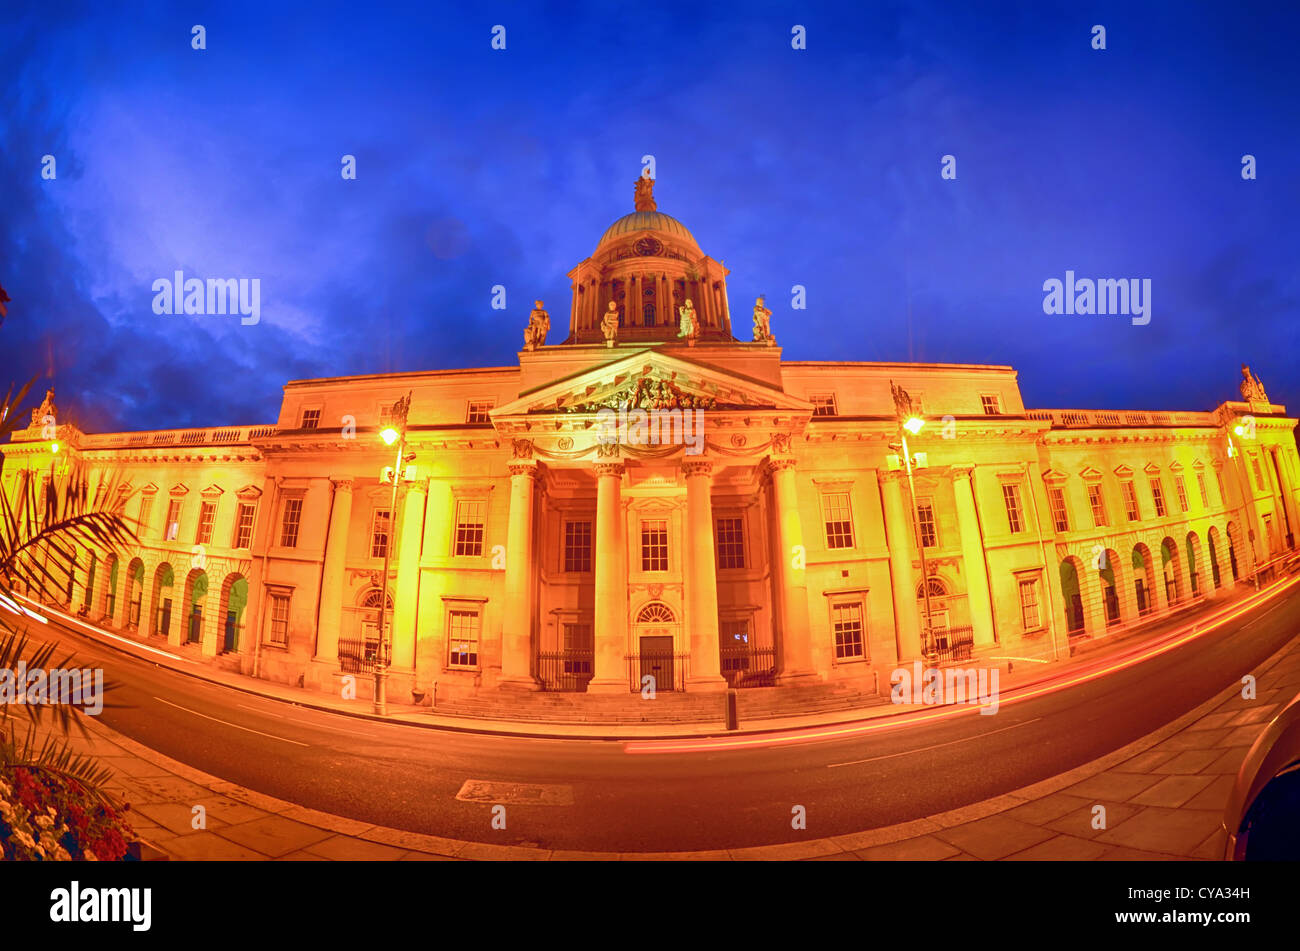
x: 1124, y: 472
x: 1090, y: 473
x: 1055, y: 476
x: 149, y: 489
x: 652, y: 380
x: 248, y: 492
x: 1151, y: 469
x: 1175, y: 466
x: 212, y: 492
x: 180, y: 488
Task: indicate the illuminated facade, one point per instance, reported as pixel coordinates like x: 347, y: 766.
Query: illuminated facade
x: 774, y: 548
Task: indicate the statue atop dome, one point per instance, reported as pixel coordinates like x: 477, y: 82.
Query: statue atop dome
x: 609, y: 324
x: 645, y: 194
x: 539, y: 325
x: 763, y: 323
x: 690, y: 325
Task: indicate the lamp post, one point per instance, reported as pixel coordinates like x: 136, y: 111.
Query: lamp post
x: 395, y: 432
x: 1243, y: 477
x: 910, y: 422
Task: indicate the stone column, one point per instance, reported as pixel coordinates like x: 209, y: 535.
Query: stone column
x: 701, y: 579
x: 406, y: 603
x: 632, y: 301
x: 666, y: 302
x: 907, y: 630
x: 972, y: 552
x: 330, y: 620
x: 1287, y: 491
x: 517, y: 620
x: 796, y: 662
x: 609, y: 674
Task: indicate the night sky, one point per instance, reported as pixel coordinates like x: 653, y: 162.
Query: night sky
x: 478, y: 167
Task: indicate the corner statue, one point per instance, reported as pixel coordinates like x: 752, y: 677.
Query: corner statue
x: 763, y: 324
x: 690, y: 326
x: 539, y: 325
x: 609, y: 324
x: 46, y: 411
x: 1252, y: 391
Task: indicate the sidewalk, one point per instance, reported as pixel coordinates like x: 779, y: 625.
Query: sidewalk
x: 1017, y: 674
x: 1164, y: 797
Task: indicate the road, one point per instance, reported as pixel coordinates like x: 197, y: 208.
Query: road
x: 407, y: 777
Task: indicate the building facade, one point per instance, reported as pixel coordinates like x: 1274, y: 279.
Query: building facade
x: 653, y: 496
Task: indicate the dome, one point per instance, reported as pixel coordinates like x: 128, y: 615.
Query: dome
x: 647, y: 221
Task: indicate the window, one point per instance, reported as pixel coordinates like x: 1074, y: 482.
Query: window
x: 478, y: 411
x: 1223, y: 495
x: 989, y: 402
x: 279, y: 633
x: 654, y: 545
x: 1180, y: 486
x: 577, y: 546
x: 146, y: 505
x: 1011, y: 498
x: 1098, y: 502
x: 173, y: 526
x: 1060, y: 515
x: 207, y: 515
x: 386, y: 415
x: 838, y: 518
x: 289, y: 525
x: 310, y: 418
x: 925, y: 524
x: 1200, y: 487
x: 1158, y: 496
x: 823, y: 404
x: 1131, y: 510
x: 731, y: 542
x: 469, y: 527
x: 244, y: 526
x: 379, y: 533
x: 462, y: 638
x: 1259, y: 473
x: 1029, y: 599
x: 846, y: 622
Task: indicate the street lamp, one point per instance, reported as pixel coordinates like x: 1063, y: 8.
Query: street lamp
x: 394, y: 433
x: 910, y: 422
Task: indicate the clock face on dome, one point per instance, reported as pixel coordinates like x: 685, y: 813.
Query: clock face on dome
x: 648, y: 247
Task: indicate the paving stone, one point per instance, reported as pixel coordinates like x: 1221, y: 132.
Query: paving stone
x: 1260, y: 714
x: 1189, y: 761
x: 1173, y: 791
x: 1143, y: 762
x: 346, y: 848
x: 995, y: 837
x: 1171, y: 831
x: 1193, y: 740
x: 1215, y: 795
x: 925, y: 848
x: 1079, y: 823
x: 1049, y: 808
x: 1242, y: 735
x: 715, y: 855
x: 274, y: 835
x: 177, y: 819
x: 413, y: 841
x: 786, y: 851
x: 1212, y: 721
x: 209, y: 846
x: 1060, y: 848
x: 1229, y: 761
x: 502, y: 853
x: 1113, y: 786
x: 1212, y: 848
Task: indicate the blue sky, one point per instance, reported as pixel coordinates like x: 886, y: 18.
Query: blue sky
x: 479, y: 167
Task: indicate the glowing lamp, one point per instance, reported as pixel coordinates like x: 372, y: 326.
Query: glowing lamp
x: 1239, y: 430
x: 914, y: 424
x: 389, y: 435
x: 54, y: 448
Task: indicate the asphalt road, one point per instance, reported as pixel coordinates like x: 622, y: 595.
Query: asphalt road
x: 408, y: 777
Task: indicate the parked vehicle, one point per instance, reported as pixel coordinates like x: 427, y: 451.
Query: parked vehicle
x: 1262, y: 818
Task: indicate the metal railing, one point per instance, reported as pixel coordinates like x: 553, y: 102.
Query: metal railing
x: 748, y: 666
x: 949, y: 644
x: 357, y: 655
x: 566, y: 671
x: 669, y: 670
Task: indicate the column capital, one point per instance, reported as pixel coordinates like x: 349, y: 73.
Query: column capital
x: 888, y: 476
x: 779, y: 463
x: 962, y: 471
x: 697, y: 467
x: 344, y: 485
x: 609, y: 469
x: 523, y: 467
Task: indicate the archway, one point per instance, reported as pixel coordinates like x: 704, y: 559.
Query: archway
x: 1108, y: 572
x: 1234, y: 546
x: 89, y: 600
x: 134, y: 592
x: 1194, y: 565
x: 1169, y: 568
x: 107, y: 606
x: 234, y: 602
x: 1144, y: 579
x: 196, y: 595
x: 1072, y: 595
x: 160, y: 604
x: 940, y: 618
x: 1213, y: 541
x: 655, y: 630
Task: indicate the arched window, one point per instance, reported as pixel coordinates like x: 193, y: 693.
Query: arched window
x: 371, y: 600
x: 655, y: 613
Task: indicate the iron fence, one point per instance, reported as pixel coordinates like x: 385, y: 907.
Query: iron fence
x: 566, y: 671
x: 357, y: 655
x: 667, y: 668
x: 949, y: 644
x: 748, y: 666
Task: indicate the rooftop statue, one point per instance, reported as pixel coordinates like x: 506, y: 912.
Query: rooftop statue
x: 690, y: 325
x: 763, y: 324
x: 1252, y: 391
x: 609, y: 324
x: 645, y: 194
x: 539, y: 325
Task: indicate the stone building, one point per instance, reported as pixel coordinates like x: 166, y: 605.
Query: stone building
x: 754, y: 525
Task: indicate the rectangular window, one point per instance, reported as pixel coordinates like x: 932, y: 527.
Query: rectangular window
x: 1029, y: 604
x: 1060, y: 515
x: 469, y: 527
x: 310, y: 418
x: 654, y: 545
x: 279, y: 632
x: 173, y: 527
x: 823, y: 404
x: 146, y: 506
x: 478, y: 410
x: 1131, y: 510
x: 1200, y: 487
x: 1158, y: 496
x: 207, y: 515
x: 244, y: 526
x: 462, y: 638
x: 386, y: 415
x: 1223, y: 495
x: 379, y: 532
x: 925, y: 524
x: 989, y: 402
x: 846, y: 622
x: 1259, y: 473
x: 1098, y: 502
x: 1011, y: 498
x: 1180, y: 486
x: 577, y: 546
x: 731, y: 542
x: 837, y: 515
x: 289, y: 525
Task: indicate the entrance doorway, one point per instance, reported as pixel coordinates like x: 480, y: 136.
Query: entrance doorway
x: 657, y: 661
